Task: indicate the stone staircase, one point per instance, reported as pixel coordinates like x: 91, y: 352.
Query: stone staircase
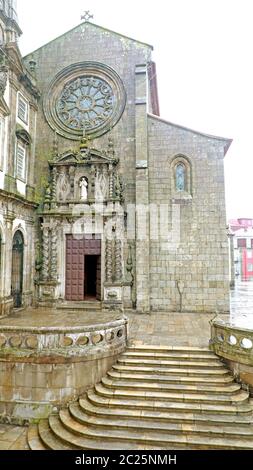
x: 87, y: 306
x: 155, y: 397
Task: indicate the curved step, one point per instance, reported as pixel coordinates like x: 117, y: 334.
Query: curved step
x: 161, y: 348
x: 141, y: 405
x: 86, y: 442
x: 208, y: 429
x: 171, y: 356
x: 225, y: 380
x: 33, y: 438
x: 134, y: 437
x: 211, y: 364
x: 50, y: 439
x: 171, y: 370
x: 138, y: 384
x: 243, y: 419
x: 240, y: 397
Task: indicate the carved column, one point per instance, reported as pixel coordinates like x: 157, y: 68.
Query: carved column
x: 111, y: 188
x: 109, y: 260
x: 45, y: 253
x: 54, y: 182
x: 129, y: 265
x: 54, y: 270
x: 118, y: 260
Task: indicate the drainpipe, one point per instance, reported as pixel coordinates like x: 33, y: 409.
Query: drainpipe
x: 180, y: 286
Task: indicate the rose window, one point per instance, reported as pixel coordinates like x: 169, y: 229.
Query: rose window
x: 86, y: 102
x: 86, y: 96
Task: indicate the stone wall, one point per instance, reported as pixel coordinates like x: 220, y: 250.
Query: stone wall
x: 43, y: 368
x: 196, y: 250
x: 88, y: 42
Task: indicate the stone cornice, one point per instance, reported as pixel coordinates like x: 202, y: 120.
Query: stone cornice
x: 18, y: 199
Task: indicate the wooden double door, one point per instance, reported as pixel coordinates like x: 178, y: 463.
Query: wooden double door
x: 83, y: 268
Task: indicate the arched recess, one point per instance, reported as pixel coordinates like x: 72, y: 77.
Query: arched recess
x: 17, y: 271
x: 181, y: 176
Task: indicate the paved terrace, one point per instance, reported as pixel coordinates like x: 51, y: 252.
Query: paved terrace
x: 174, y: 329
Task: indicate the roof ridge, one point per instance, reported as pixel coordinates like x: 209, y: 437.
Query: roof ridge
x: 96, y: 26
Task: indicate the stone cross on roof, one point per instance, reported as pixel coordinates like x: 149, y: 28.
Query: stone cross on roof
x: 87, y: 16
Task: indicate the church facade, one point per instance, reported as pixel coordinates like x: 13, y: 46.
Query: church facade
x: 102, y: 200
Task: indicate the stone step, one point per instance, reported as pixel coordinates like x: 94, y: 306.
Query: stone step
x: 63, y: 436
x: 77, y: 435
x: 85, y: 305
x: 171, y: 356
x: 111, y: 401
x: 50, y: 440
x: 213, y: 429
x: 211, y: 364
x: 180, y: 388
x: 225, y: 380
x: 33, y: 438
x: 158, y: 348
x: 96, y: 409
x: 240, y: 397
x: 172, y: 370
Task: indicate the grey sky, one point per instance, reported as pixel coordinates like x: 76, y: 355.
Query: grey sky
x: 203, y: 51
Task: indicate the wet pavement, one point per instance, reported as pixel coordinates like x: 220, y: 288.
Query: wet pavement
x: 241, y: 305
x: 178, y: 329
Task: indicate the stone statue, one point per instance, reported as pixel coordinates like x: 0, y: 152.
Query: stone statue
x: 83, y: 189
x: 101, y: 185
x: 63, y: 186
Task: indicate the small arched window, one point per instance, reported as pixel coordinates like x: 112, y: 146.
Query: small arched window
x: 181, y: 177
x: 180, y: 171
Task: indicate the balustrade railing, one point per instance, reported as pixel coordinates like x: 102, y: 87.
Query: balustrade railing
x: 231, y: 342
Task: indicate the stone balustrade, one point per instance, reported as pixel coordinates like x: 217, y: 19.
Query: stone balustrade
x: 30, y: 342
x: 235, y: 345
x: 43, y: 368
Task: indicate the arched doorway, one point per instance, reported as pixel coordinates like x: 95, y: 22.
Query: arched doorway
x: 17, y: 269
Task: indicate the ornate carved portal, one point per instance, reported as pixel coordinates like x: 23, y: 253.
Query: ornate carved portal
x: 83, y: 198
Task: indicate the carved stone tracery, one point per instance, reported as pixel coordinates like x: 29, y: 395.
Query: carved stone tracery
x: 85, y: 102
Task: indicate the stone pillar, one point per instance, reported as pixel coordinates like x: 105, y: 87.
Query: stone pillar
x: 54, y: 183
x: 111, y: 185
x: 7, y: 300
x: 231, y: 259
x: 142, y: 190
x: 118, y: 260
x: 45, y: 253
x: 109, y: 260
x: 48, y: 290
x: 54, y: 246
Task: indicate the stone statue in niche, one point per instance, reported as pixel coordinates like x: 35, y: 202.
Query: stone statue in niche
x: 101, y: 185
x: 83, y: 185
x: 63, y: 186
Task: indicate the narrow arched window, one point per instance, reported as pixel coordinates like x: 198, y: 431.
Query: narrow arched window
x: 180, y: 177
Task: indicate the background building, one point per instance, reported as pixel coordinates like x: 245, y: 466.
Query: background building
x: 242, y: 230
